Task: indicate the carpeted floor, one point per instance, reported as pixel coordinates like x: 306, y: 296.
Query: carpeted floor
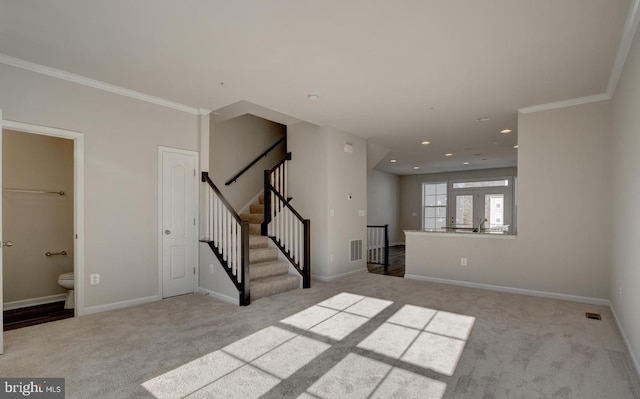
x: 453, y: 342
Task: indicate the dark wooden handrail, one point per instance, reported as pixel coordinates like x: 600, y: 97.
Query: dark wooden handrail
x: 286, y: 158
x: 207, y: 179
x: 255, y: 161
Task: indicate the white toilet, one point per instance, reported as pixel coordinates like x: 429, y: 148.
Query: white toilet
x: 66, y: 281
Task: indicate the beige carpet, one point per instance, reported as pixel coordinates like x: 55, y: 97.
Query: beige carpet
x: 353, y: 337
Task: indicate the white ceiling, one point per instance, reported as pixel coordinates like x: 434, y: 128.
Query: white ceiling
x: 394, y: 72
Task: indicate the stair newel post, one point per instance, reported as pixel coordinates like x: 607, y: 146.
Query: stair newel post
x: 386, y: 249
x: 306, y: 278
x: 267, y: 203
x: 245, y: 294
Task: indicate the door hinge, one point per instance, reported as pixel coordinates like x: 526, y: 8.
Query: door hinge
x: 194, y: 172
x: 194, y: 271
x: 194, y: 221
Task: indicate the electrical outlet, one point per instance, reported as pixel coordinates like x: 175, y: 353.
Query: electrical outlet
x: 463, y: 261
x: 620, y: 291
x: 211, y: 268
x: 95, y: 279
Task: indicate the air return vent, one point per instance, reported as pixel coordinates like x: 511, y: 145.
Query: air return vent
x: 355, y: 253
x: 593, y: 316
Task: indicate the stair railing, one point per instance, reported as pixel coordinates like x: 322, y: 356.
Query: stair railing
x: 283, y: 224
x: 228, y: 236
x: 255, y: 161
x: 378, y: 246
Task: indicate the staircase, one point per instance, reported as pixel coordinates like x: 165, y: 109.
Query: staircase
x: 267, y: 275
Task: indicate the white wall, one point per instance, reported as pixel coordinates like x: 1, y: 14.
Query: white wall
x: 36, y: 223
x: 564, y: 194
x: 625, y: 200
x: 236, y: 142
x: 309, y: 186
x: 122, y: 136
x: 322, y: 174
x: 383, y: 202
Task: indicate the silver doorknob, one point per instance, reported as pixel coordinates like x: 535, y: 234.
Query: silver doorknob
x: 6, y: 244
x: 167, y: 232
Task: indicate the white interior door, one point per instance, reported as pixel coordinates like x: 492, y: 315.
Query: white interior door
x: 178, y: 196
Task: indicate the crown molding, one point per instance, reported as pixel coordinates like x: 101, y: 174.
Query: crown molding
x: 628, y: 34
x: 96, y: 84
x: 565, y: 103
x: 626, y: 40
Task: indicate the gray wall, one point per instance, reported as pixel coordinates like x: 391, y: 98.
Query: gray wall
x: 625, y: 284
x: 322, y: 174
x: 411, y: 192
x: 564, y: 219
x: 236, y: 142
x: 383, y: 202
x: 36, y: 223
x: 122, y: 136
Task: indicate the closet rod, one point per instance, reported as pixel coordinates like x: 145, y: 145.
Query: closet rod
x: 18, y: 190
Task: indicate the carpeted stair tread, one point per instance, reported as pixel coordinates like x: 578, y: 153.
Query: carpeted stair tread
x: 262, y: 255
x: 256, y: 241
x: 267, y: 269
x: 256, y: 208
x: 261, y: 199
x: 252, y: 217
x: 255, y: 229
x: 273, y: 285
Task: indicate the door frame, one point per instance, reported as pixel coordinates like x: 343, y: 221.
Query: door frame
x: 78, y: 199
x: 196, y: 227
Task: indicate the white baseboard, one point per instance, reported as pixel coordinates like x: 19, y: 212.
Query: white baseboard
x: 120, y: 305
x: 219, y: 296
x: 511, y: 290
x: 634, y: 360
x: 329, y: 278
x: 23, y: 303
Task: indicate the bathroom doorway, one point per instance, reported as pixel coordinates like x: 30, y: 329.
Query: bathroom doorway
x: 63, y: 252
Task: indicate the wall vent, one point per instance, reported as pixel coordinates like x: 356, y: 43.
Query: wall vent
x: 593, y: 316
x: 355, y: 253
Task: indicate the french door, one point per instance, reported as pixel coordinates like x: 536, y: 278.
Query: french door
x: 488, y: 209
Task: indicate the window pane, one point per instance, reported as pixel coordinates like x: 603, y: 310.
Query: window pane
x: 494, y: 210
x: 441, y: 211
x: 440, y: 223
x: 475, y: 184
x: 441, y: 200
x: 429, y: 223
x: 464, y: 211
x: 429, y: 189
x: 441, y: 188
x: 429, y: 212
x: 430, y: 200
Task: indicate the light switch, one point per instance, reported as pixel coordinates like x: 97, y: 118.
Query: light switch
x: 361, y: 212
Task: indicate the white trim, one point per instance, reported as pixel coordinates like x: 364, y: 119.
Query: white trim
x: 511, y: 290
x: 565, y: 103
x: 96, y: 84
x: 196, y: 205
x: 628, y: 33
x: 219, y: 296
x: 43, y: 300
x: 121, y: 304
x: 330, y: 278
x: 78, y: 199
x: 626, y: 341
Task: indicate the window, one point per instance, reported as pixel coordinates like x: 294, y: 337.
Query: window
x: 434, y: 200
x: 469, y: 205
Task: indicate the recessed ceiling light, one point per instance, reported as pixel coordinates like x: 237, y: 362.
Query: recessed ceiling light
x: 426, y: 142
x: 505, y: 131
x: 448, y: 154
x: 465, y: 163
x: 515, y: 146
x: 313, y: 97
x: 393, y: 160
x: 416, y: 167
x: 483, y: 119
